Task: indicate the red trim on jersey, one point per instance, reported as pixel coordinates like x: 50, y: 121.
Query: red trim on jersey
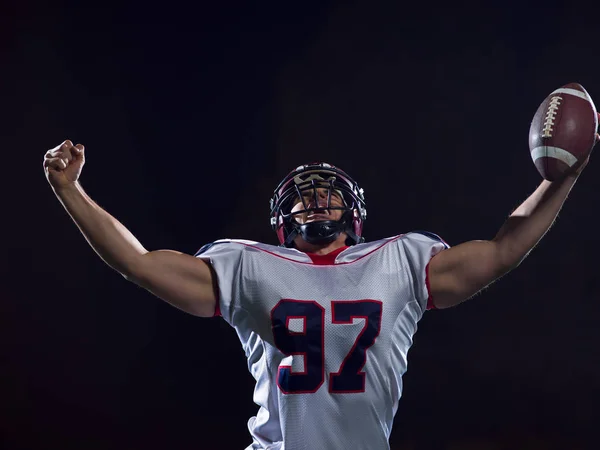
x: 217, y: 309
x: 312, y: 263
x: 328, y: 259
x: 430, y: 304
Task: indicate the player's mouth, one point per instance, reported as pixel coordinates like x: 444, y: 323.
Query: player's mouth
x: 318, y: 217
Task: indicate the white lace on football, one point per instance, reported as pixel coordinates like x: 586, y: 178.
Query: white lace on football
x: 550, y: 116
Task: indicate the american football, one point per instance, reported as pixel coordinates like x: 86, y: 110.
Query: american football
x: 563, y: 131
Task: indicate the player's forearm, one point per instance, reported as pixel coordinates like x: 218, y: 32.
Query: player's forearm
x: 107, y: 236
x: 531, y: 220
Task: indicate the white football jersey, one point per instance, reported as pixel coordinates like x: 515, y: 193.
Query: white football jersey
x: 326, y: 337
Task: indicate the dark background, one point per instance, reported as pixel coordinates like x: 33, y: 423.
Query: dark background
x: 192, y: 114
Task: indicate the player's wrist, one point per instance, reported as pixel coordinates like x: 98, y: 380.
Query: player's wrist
x: 67, y: 190
x: 567, y: 181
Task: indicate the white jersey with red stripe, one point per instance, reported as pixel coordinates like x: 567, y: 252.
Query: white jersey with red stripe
x: 326, y: 337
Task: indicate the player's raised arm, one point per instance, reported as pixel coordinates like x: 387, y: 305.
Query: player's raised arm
x: 182, y: 280
x: 461, y: 271
x: 560, y: 150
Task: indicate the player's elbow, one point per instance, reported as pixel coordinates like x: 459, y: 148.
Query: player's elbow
x: 131, y: 268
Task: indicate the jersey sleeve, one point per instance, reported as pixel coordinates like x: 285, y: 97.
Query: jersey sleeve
x: 225, y: 258
x: 419, y: 247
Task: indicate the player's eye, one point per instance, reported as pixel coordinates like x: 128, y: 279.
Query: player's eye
x: 304, y: 199
x: 337, y: 196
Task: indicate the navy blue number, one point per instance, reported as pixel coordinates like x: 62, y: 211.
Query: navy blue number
x: 350, y: 378
x: 308, y: 343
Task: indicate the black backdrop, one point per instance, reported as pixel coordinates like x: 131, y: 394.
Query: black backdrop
x: 192, y: 114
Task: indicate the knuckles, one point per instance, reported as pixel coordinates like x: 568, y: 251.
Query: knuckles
x: 62, y: 155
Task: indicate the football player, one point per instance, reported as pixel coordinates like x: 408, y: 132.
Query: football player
x: 325, y: 319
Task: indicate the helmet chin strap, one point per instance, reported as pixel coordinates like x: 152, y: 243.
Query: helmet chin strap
x: 321, y: 232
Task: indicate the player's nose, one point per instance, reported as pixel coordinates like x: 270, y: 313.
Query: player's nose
x: 321, y: 199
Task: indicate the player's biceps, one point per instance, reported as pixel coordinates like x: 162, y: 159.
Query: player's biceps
x: 461, y: 272
x: 451, y: 288
x: 181, y: 280
x: 186, y: 294
x: 479, y: 266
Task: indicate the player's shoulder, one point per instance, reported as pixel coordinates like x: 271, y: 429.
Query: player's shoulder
x: 367, y: 249
x: 415, y: 244
x: 252, y: 247
x: 224, y: 244
x: 414, y: 239
x: 415, y: 236
x: 423, y: 236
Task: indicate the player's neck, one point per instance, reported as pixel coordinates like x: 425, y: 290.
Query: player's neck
x: 323, y: 249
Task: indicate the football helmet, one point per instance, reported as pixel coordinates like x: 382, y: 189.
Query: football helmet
x: 311, y: 177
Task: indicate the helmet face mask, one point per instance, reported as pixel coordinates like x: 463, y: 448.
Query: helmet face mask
x: 312, y: 180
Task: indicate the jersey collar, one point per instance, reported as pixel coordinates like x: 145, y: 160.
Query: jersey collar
x: 328, y: 259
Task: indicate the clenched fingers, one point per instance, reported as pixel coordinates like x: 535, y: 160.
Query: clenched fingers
x: 59, y: 154
x: 66, y: 151
x: 55, y: 163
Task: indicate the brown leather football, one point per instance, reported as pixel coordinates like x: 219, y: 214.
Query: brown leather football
x: 563, y: 131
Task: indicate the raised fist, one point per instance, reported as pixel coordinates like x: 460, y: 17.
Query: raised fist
x: 63, y: 164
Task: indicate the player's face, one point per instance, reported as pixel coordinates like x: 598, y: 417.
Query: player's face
x: 319, y: 202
